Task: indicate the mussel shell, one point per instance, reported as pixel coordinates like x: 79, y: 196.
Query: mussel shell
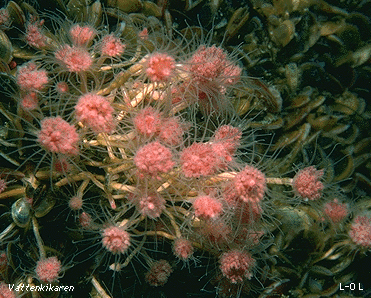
x: 45, y: 206
x: 43, y: 200
x: 21, y: 212
x: 6, y: 49
x: 16, y: 13
x: 95, y: 11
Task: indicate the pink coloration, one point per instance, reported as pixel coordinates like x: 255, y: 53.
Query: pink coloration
x: 47, y: 270
x: 237, y: 265
x: 207, y: 207
x: 3, y: 262
x: 115, y: 239
x: 62, y: 87
x: 75, y: 203
x: 159, y: 273
x: 250, y: 184
x: 198, y: 160
x: 153, y: 159
x: 210, y: 63
x: 360, y: 231
x: 231, y: 197
x: 232, y: 74
x: 61, y: 165
x: 34, y: 35
x: 12, y: 64
x: 143, y: 34
x: 58, y: 136
x: 4, y: 17
x: 151, y: 206
x: 336, y: 211
x: 2, y: 185
x: 81, y: 36
x: 95, y: 112
x: 229, y: 136
x: 216, y: 231
x: 112, y: 46
x: 5, y: 291
x: 85, y: 220
x: 307, y: 183
x: 222, y: 154
x: 30, y: 101
x: 147, y: 121
x: 75, y: 59
x: 182, y: 248
x: 30, y: 78
x: 171, y: 132
x: 159, y: 67
x: 248, y: 213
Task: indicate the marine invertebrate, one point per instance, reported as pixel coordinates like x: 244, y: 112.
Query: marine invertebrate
x: 150, y: 150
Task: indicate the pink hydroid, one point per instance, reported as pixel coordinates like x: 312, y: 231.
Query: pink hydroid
x: 154, y: 159
x: 307, y: 183
x: 31, y: 78
x: 47, y: 270
x: 111, y: 46
x: 250, y: 184
x: 237, y: 265
x: 198, y: 160
x: 159, y: 273
x: 74, y: 59
x: 160, y: 67
x: 207, y: 207
x: 82, y: 35
x: 115, y: 239
x: 58, y: 136
x: 360, y: 231
x: 95, y: 112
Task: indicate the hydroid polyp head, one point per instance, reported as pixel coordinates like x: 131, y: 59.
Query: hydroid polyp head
x: 58, y: 136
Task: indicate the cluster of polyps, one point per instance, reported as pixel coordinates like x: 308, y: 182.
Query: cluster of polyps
x: 142, y: 137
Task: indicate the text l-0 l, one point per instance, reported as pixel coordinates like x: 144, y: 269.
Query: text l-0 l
x: 352, y: 286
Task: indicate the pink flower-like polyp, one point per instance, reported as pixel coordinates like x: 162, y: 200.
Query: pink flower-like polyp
x: 5, y: 291
x: 153, y: 159
x: 182, y: 248
x: 58, y: 136
x: 151, y: 205
x: 207, y: 207
x: 307, y: 183
x: 31, y: 78
x: 171, y: 132
x: 160, y: 67
x: 34, y: 34
x: 237, y: 265
x: 74, y: 59
x: 148, y: 121
x: 112, y: 46
x: 95, y: 112
x: 115, y: 239
x: 360, y: 231
x: 336, y: 211
x: 82, y: 35
x: 250, y: 184
x: 159, y: 273
x: 198, y: 160
x: 47, y: 270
